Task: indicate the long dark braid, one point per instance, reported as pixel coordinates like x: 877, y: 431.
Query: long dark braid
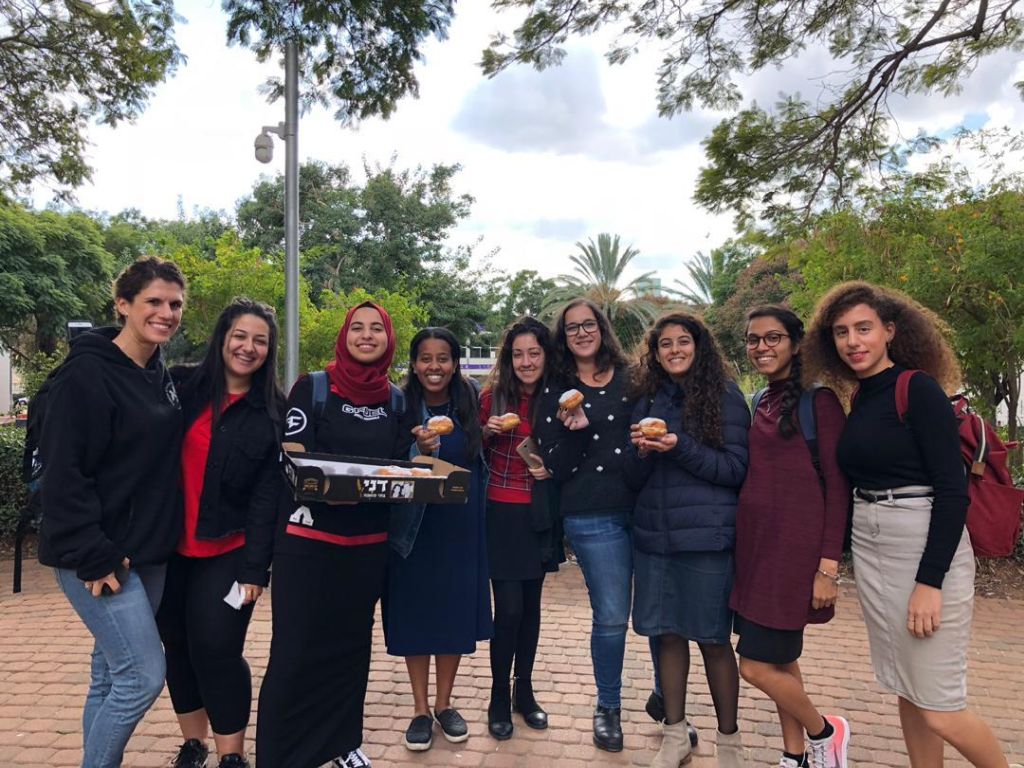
x: 792, y: 389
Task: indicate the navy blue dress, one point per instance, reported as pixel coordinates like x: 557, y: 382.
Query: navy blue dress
x: 439, y: 597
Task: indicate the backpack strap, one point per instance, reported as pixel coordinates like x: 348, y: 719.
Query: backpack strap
x: 808, y: 420
x: 756, y: 398
x: 903, y: 393
x: 320, y: 390
x: 397, y: 400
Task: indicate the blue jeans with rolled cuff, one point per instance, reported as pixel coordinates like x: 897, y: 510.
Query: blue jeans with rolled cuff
x: 127, y: 659
x: 604, y: 550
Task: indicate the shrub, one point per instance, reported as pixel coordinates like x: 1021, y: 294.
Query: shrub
x: 12, y: 489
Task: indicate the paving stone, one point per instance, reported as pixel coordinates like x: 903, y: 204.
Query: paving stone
x: 44, y: 671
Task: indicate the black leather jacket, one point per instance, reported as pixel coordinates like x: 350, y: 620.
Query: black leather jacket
x: 243, y: 481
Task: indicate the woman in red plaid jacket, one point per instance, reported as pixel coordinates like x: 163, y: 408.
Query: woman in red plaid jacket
x: 523, y: 539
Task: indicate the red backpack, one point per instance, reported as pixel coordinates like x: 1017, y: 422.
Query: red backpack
x: 994, y: 515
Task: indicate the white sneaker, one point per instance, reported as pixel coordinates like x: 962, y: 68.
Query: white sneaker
x: 789, y: 762
x: 354, y: 759
x: 831, y: 752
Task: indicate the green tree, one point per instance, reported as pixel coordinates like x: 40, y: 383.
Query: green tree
x: 65, y: 64
x: 714, y: 275
x: 53, y: 268
x: 239, y: 271
x: 804, y: 151
x: 355, y: 55
x: 385, y: 234
x: 521, y: 294
x: 960, y: 253
x: 598, y: 276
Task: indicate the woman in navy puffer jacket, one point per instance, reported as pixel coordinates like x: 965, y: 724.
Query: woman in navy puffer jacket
x: 684, y: 523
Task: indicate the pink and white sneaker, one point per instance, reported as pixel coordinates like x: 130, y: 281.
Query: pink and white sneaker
x: 831, y: 752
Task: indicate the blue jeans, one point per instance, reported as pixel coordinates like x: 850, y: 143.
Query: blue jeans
x: 127, y: 660
x: 604, y: 549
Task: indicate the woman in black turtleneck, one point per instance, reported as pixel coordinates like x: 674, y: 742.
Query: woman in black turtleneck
x: 911, y: 551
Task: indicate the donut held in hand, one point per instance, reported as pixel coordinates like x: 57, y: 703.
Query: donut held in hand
x: 509, y: 421
x: 653, y: 427
x: 570, y: 399
x: 440, y: 425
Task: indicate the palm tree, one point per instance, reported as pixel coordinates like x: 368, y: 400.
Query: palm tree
x: 599, y: 270
x: 702, y: 270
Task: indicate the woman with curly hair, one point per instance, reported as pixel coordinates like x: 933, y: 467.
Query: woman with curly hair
x: 523, y: 537
x: 790, y: 522
x: 911, y: 551
x: 684, y: 522
x: 583, y: 446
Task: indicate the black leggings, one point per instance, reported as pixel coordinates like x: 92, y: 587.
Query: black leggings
x: 516, y: 630
x: 203, y: 639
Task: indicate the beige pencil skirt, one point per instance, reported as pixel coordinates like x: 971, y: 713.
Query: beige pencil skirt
x: 888, y: 540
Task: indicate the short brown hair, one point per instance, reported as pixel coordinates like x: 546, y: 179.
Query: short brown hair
x: 141, y: 273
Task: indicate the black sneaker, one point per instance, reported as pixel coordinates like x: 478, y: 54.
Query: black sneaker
x: 452, y: 725
x: 191, y: 754
x: 420, y: 733
x: 233, y: 760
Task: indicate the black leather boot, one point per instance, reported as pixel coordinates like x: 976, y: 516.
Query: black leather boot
x: 608, y: 729
x: 525, y: 704
x: 499, y: 714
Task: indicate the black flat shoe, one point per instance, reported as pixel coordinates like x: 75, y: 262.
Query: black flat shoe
x: 608, y: 729
x: 526, y: 705
x: 499, y: 718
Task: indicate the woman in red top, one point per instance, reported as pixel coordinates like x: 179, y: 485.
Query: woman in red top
x: 230, y: 485
x: 520, y: 545
x: 789, y: 537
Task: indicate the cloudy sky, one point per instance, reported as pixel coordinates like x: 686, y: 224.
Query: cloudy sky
x: 551, y: 157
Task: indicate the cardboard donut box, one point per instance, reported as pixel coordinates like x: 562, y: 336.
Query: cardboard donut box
x: 331, y: 477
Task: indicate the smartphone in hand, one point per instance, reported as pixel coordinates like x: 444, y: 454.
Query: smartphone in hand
x: 527, y: 447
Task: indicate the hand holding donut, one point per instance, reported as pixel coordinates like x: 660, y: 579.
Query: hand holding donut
x: 570, y: 411
x: 652, y: 434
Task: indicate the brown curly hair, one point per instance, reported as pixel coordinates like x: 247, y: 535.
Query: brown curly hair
x: 919, y: 341
x: 704, y: 382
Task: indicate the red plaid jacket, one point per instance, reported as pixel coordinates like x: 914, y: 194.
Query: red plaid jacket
x: 510, y: 480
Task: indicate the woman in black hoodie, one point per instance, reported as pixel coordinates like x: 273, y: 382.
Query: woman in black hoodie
x: 230, y: 485
x: 110, y: 445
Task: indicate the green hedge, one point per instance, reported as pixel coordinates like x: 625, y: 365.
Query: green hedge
x: 12, y: 489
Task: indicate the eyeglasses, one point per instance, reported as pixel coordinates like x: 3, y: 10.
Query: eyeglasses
x: 587, y: 326
x: 770, y: 339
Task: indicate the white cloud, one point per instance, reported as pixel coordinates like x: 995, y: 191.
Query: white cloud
x: 592, y: 157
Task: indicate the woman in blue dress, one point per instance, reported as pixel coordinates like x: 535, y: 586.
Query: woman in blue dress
x: 439, y: 600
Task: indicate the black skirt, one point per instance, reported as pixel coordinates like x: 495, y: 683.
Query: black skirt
x: 311, y: 700
x: 767, y: 645
x: 513, y: 546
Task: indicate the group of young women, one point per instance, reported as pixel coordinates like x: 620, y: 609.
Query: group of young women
x: 682, y: 514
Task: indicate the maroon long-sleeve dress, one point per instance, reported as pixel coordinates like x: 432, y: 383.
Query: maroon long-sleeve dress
x: 786, y: 522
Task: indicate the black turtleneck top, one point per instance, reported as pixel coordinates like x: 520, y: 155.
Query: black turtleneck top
x: 877, y: 451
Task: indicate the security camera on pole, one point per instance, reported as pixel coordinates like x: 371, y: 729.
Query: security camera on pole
x: 263, y: 147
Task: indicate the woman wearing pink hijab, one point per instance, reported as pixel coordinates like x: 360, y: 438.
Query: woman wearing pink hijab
x: 330, y: 561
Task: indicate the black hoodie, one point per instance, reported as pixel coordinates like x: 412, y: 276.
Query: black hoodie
x: 110, y: 446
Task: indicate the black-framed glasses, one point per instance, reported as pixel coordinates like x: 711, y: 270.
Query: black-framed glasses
x: 770, y: 339
x: 587, y: 326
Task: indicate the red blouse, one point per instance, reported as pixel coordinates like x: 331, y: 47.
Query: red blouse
x: 195, y: 449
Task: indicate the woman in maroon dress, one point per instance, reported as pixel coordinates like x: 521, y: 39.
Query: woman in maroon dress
x: 789, y: 535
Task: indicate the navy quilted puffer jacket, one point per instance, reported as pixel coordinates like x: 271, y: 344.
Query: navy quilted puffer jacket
x: 687, y: 496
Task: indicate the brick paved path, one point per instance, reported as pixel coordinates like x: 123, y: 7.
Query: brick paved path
x: 44, y: 671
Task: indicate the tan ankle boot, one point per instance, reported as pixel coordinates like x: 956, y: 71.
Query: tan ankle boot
x: 675, y: 747
x: 730, y: 751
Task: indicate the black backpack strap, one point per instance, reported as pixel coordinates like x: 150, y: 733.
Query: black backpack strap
x: 321, y: 387
x: 397, y: 401
x: 755, y: 399
x: 808, y: 421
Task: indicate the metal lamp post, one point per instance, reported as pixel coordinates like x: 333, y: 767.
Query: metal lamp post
x: 264, y: 146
